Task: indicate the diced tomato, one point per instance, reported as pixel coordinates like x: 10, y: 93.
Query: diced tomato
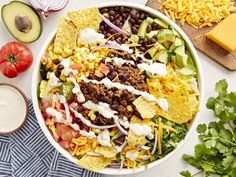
x: 65, y: 132
x: 77, y: 67
x: 65, y: 144
x: 43, y: 109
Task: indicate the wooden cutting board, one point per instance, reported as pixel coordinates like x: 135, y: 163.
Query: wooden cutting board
x: 203, y: 44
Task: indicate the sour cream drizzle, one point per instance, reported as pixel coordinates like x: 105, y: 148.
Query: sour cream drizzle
x: 77, y: 91
x: 109, y: 84
x: 102, y: 108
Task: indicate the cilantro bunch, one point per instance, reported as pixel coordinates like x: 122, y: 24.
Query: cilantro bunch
x: 216, y: 154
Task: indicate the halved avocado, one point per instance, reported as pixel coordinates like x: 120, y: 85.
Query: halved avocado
x: 22, y: 21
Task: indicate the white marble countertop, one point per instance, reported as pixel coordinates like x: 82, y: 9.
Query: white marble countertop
x: 211, y: 70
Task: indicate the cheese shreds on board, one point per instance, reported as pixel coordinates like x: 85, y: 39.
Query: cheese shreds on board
x: 198, y: 13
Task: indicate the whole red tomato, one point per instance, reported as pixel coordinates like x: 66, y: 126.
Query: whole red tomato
x: 15, y: 58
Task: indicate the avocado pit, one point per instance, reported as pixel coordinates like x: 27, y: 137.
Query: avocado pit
x: 23, y: 23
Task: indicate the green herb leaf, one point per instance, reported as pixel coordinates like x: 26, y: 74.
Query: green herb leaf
x: 201, y: 128
x: 221, y: 87
x: 186, y: 173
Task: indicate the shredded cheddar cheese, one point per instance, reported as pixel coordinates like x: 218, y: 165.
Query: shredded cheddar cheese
x: 198, y: 13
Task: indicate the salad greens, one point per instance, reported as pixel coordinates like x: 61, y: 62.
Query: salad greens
x: 216, y: 154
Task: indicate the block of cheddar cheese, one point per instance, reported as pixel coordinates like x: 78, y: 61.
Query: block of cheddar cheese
x: 224, y: 34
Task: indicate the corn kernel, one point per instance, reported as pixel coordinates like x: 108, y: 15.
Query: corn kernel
x: 129, y: 108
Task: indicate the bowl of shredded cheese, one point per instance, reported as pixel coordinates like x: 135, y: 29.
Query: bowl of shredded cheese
x: 117, y: 88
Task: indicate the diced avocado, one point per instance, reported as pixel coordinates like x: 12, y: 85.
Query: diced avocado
x: 142, y: 29
x: 173, y: 58
x: 22, y: 21
x: 150, y: 20
x: 161, y: 56
x: 152, y: 51
x: 43, y: 89
x: 181, y: 60
x: 165, y: 35
x: 178, y: 42
x: 188, y: 71
x: 151, y: 34
x: 161, y: 23
x: 134, y: 38
x: 190, y: 59
x: 167, y: 44
x: 180, y: 50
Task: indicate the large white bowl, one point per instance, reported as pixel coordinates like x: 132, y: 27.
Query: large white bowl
x: 36, y: 79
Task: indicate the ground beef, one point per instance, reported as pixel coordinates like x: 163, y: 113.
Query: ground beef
x: 117, y: 99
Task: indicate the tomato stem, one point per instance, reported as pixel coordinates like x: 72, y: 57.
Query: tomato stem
x: 12, y: 58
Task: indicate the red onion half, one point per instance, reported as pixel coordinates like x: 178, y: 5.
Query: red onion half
x: 45, y: 7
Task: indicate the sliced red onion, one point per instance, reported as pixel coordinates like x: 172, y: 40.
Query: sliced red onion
x: 45, y: 7
x: 120, y: 127
x: 105, y: 46
x: 88, y: 123
x: 114, y: 26
x: 155, y: 144
x: 115, y: 164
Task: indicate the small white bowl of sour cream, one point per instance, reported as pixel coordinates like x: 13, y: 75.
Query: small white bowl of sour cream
x: 13, y: 108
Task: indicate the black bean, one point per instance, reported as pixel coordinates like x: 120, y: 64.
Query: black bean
x: 57, y: 73
x: 155, y: 26
x: 124, y: 15
x: 60, y: 67
x: 104, y: 10
x: 140, y: 21
x: 127, y: 9
x: 114, y: 106
x: 133, y: 15
x: 112, y: 31
x: 152, y: 40
x: 132, y: 21
x: 101, y: 27
x: 112, y: 13
x: 111, y: 75
x: 143, y: 49
x: 117, y: 8
x: 56, y: 61
x: 111, y: 18
x: 149, y: 28
x: 127, y: 56
x: 104, y: 98
x: 134, y: 29
x: 144, y: 41
x: 155, y: 36
x: 142, y: 16
x: 123, y: 76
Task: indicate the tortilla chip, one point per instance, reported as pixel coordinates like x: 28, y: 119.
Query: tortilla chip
x: 179, y: 106
x: 145, y: 108
x: 132, y: 139
x: 86, y: 18
x: 193, y: 103
x: 94, y: 163
x: 65, y: 41
x: 83, y: 149
x: 107, y: 152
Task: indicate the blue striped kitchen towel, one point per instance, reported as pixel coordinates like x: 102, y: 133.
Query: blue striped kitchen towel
x: 28, y: 153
